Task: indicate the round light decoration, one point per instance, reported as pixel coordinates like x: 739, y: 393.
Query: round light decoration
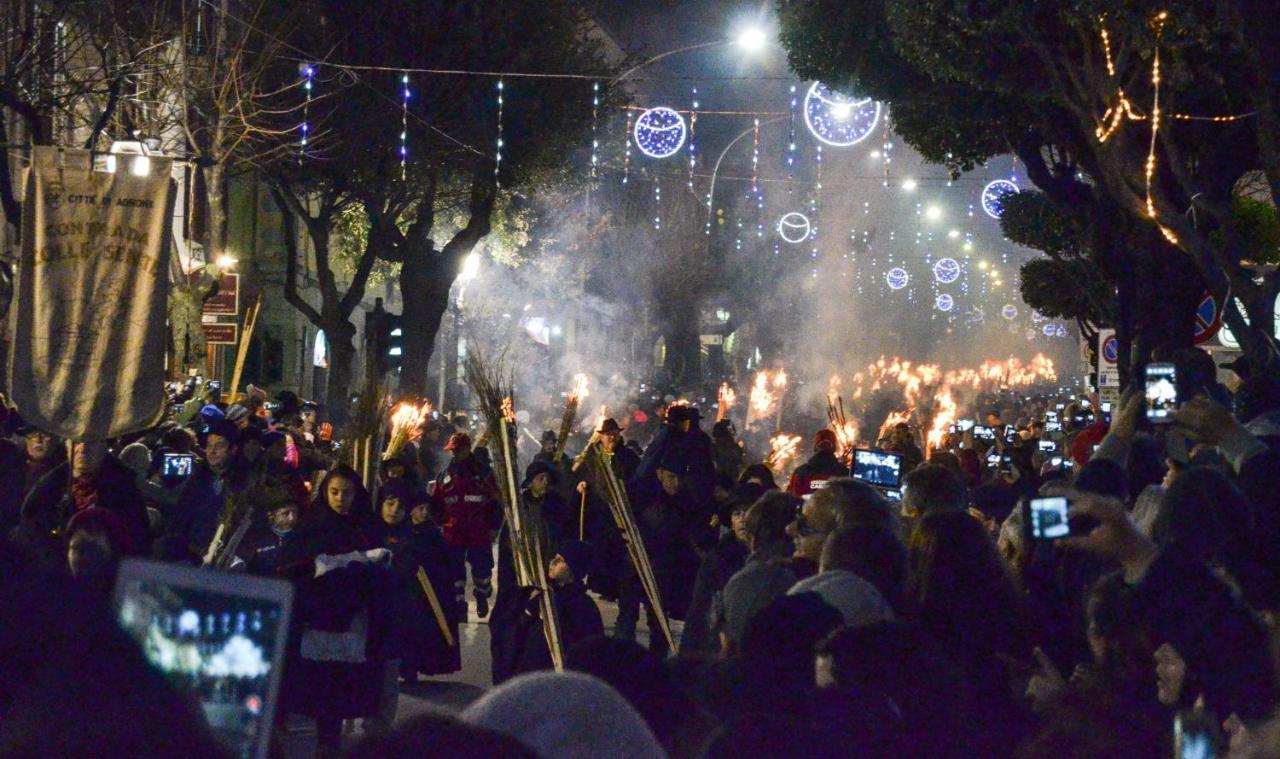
x: 896, y: 278
x: 1009, y: 311
x: 837, y: 119
x: 944, y: 302
x: 1062, y: 331
x: 994, y: 194
x: 1050, y: 330
x: 660, y: 132
x: 946, y: 271
x: 1037, y: 317
x: 794, y: 227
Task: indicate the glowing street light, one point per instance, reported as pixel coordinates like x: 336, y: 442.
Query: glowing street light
x: 909, y: 185
x: 933, y: 213
x: 226, y: 261
x: 752, y: 39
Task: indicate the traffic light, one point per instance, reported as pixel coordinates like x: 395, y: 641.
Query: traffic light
x: 385, y: 338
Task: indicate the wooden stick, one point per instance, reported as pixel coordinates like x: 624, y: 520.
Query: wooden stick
x: 582, y: 516
x: 242, y: 350
x: 435, y: 606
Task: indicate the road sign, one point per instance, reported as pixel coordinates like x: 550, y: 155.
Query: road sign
x: 220, y: 334
x: 1108, y: 360
x: 1208, y: 319
x: 227, y: 300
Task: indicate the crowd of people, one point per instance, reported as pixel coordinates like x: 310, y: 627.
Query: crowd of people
x: 816, y: 614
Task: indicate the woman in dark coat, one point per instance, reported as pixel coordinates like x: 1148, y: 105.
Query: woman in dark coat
x: 415, y: 542
x: 334, y: 672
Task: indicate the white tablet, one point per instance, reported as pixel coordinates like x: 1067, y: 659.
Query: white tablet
x: 218, y: 635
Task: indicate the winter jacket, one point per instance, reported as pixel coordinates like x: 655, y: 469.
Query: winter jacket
x: 465, y: 504
x: 718, y: 566
x: 821, y: 466
x: 50, y: 504
x: 416, y: 639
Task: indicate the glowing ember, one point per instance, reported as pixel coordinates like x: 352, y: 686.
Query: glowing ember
x: 508, y: 411
x: 944, y: 415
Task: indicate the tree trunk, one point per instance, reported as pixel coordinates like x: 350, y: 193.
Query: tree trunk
x: 425, y: 280
x: 681, y: 334
x: 216, y: 213
x: 340, y: 335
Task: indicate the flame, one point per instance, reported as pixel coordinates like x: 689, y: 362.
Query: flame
x: 508, y: 411
x: 766, y: 391
x: 601, y: 415
x: 727, y: 396
x: 944, y: 415
x: 782, y: 449
x: 407, y: 419
x: 847, y: 435
x: 893, y: 420
x: 580, y: 388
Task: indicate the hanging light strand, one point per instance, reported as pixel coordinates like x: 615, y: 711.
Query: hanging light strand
x: 595, y: 141
x: 693, y: 130
x: 497, y: 158
x: 404, y: 125
x: 626, y: 155
x: 304, y: 130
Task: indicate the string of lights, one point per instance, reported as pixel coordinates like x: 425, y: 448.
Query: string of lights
x: 308, y: 75
x: 404, y: 125
x: 497, y: 162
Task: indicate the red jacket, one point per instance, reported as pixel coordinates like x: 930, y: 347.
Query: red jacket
x: 464, y: 500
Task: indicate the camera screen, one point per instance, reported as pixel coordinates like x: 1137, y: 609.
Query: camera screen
x: 984, y: 433
x: 965, y: 425
x: 878, y: 468
x: 1048, y: 446
x: 1053, y: 426
x: 893, y: 495
x: 1162, y: 392
x: 223, y: 646
x: 993, y: 459
x: 178, y: 465
x: 1049, y: 518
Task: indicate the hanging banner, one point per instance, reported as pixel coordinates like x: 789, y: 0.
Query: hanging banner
x: 89, y: 322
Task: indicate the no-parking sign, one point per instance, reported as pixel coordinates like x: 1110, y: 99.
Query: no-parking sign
x: 1208, y: 319
x: 1108, y: 364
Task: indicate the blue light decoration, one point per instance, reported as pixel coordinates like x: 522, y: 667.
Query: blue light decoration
x: 626, y: 156
x: 1050, y: 330
x: 946, y: 270
x: 896, y: 278
x: 497, y: 158
x: 994, y: 194
x: 1009, y: 311
x: 944, y: 302
x: 839, y: 120
x: 660, y: 132
x: 404, y: 123
x: 1062, y: 331
x: 308, y: 77
x: 693, y: 130
x: 794, y: 227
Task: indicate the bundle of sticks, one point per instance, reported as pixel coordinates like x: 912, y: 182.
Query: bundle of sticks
x: 576, y: 394
x: 526, y: 531
x: 406, y: 426
x: 624, y: 517
x: 782, y: 449
x: 846, y: 432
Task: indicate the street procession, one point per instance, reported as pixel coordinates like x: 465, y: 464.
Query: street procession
x: 693, y: 378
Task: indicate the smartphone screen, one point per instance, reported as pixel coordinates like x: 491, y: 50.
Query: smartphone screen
x: 1049, y: 518
x: 984, y: 433
x: 1162, y: 392
x: 993, y: 459
x: 178, y: 466
x: 1194, y: 736
x: 879, y: 468
x: 1048, y: 446
x: 965, y: 425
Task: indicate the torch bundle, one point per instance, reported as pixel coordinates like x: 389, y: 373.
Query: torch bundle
x: 782, y: 449
x: 725, y: 401
x: 846, y: 431
x: 525, y: 531
x: 406, y: 426
x: 624, y: 518
x: 576, y: 394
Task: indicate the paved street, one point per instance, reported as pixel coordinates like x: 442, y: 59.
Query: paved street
x: 446, y: 694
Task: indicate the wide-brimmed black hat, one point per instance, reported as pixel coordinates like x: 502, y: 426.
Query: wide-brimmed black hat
x: 609, y: 427
x: 537, y: 468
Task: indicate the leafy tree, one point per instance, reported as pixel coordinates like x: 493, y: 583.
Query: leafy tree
x: 1032, y: 78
